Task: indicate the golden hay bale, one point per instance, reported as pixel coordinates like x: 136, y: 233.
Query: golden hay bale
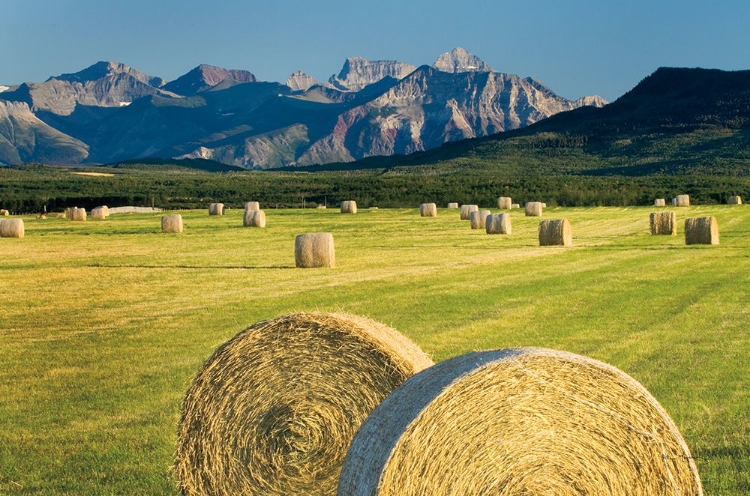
x: 544, y: 205
x: 504, y: 203
x: 664, y: 223
x: 78, y: 214
x: 478, y: 219
x: 275, y: 408
x: 660, y: 202
x: 254, y: 218
x: 498, y: 224
x: 98, y: 213
x: 215, y: 209
x: 428, y: 210
x: 466, y: 210
x: 453, y: 205
x: 321, y: 207
x: 555, y: 232
x: 701, y: 231
x: 349, y: 207
x: 682, y: 201
x: 171, y: 223
x: 515, y: 205
x: 252, y: 205
x: 534, y: 209
x: 11, y: 228
x: 4, y: 212
x: 735, y: 200
x: 519, y: 421
x: 314, y: 250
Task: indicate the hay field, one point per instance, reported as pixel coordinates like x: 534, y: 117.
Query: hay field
x: 103, y: 324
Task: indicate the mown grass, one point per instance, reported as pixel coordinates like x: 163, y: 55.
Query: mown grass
x: 103, y: 324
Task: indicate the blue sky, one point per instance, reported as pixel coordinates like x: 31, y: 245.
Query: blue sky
x: 577, y: 48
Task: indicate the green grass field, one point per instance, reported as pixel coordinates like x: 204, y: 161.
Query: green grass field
x: 103, y: 324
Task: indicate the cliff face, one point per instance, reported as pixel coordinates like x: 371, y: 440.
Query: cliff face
x: 299, y: 81
x: 204, y: 77
x: 358, y: 73
x: 460, y: 60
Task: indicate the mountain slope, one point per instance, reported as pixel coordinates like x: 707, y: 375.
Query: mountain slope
x: 358, y: 73
x: 205, y: 77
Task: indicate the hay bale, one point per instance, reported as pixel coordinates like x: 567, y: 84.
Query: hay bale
x: 428, y: 210
x: 682, y: 201
x: 735, y: 200
x: 4, y: 212
x: 555, y: 233
x: 78, y: 214
x: 664, y: 223
x: 701, y: 231
x: 314, y: 250
x: 498, y: 224
x: 515, y: 205
x: 349, y: 207
x: 373, y: 208
x: 98, y: 213
x: 534, y: 209
x: 660, y: 202
x: 275, y: 408
x: 254, y: 218
x: 171, y: 223
x: 478, y: 219
x: 504, y: 203
x: 321, y: 207
x: 544, y: 205
x: 215, y: 209
x: 466, y: 210
x: 69, y: 212
x: 453, y: 205
x: 11, y: 228
x: 252, y: 205
x: 519, y: 421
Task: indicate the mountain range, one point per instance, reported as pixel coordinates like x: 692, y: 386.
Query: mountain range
x: 110, y: 112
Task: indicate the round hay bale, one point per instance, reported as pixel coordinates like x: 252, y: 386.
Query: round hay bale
x: 682, y: 201
x: 534, y: 209
x: 4, y: 212
x: 504, y: 203
x: 11, y: 228
x: 555, y: 233
x: 735, y: 200
x: 660, y: 202
x: 498, y: 224
x: 98, y: 213
x: 466, y: 210
x: 171, y: 223
x: 321, y: 207
x: 314, y: 250
x: 428, y: 210
x: 275, y: 408
x: 215, y: 209
x: 663, y: 223
x: 349, y: 207
x: 701, y: 231
x: 478, y: 219
x: 78, y: 214
x: 254, y: 218
x: 515, y: 205
x: 252, y: 205
x: 519, y: 421
x: 453, y: 205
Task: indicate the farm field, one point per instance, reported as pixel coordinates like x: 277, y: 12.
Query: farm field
x: 103, y: 324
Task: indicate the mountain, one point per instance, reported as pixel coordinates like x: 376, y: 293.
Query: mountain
x: 204, y: 77
x: 299, y: 81
x: 358, y: 73
x: 460, y: 60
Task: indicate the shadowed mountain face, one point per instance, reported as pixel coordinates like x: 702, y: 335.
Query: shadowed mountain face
x: 111, y: 112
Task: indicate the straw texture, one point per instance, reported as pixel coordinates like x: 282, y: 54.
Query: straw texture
x: 735, y: 200
x: 4, y: 212
x: 12, y: 228
x: 349, y: 207
x: 504, y: 203
x: 453, y: 205
x: 555, y: 232
x: 314, y: 250
x: 252, y: 205
x: 466, y: 211
x: 660, y: 202
x: 515, y: 205
x: 682, y: 201
x: 478, y: 219
x: 534, y: 209
x: 98, y: 213
x: 275, y: 408
x: 215, y: 209
x: 171, y: 223
x: 701, y: 231
x: 523, y: 421
x: 78, y: 214
x: 498, y: 224
x: 254, y: 218
x: 428, y: 210
x: 663, y: 223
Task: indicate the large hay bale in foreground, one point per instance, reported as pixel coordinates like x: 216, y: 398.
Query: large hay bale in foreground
x: 701, y: 231
x: 428, y: 210
x: 11, y: 228
x: 660, y: 202
x: 252, y: 205
x: 663, y: 223
x: 171, y: 223
x: 349, y: 207
x: 215, y: 209
x: 78, y: 214
x: 314, y: 250
x: 453, y: 205
x: 98, y: 213
x: 519, y: 421
x: 275, y: 408
x: 555, y: 233
x: 466, y: 210
x: 534, y: 209
x: 498, y: 224
x: 478, y: 219
x: 734, y: 200
x: 254, y: 218
x: 682, y: 201
x: 504, y: 203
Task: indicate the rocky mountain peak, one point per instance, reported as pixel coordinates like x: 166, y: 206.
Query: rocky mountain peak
x: 358, y: 73
x: 299, y: 81
x: 205, y: 77
x: 104, y: 70
x: 460, y: 60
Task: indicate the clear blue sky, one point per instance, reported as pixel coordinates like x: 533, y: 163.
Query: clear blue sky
x: 577, y: 48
